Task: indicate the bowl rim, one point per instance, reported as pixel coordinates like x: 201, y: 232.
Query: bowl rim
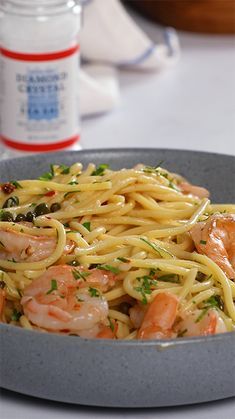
x: 115, y: 150
x: 158, y: 343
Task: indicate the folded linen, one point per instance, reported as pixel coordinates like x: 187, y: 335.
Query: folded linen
x: 110, y: 36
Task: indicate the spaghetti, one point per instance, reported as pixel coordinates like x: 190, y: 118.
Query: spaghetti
x: 129, y: 254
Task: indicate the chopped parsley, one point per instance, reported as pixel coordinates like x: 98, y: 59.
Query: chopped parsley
x: 202, y: 314
x: 80, y: 275
x: 170, y: 278
x: 52, y: 170
x: 87, y: 225
x: 111, y: 324
x: 150, y: 169
x: 124, y: 260
x: 19, y: 292
x: 16, y: 315
x: 147, y: 283
x: 64, y: 169
x: 109, y: 268
x: 202, y: 241
x: 153, y: 169
x: 94, y: 292
x: 155, y: 247
x: 215, y: 301
x: 70, y: 192
x: 143, y: 293
x: 173, y: 186
x: 165, y: 175
x: 16, y: 184
x: 153, y: 272
x: 47, y: 176
x: 73, y: 182
x: 54, y: 286
x: 100, y: 170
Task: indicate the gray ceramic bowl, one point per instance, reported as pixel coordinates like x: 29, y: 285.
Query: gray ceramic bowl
x: 122, y: 373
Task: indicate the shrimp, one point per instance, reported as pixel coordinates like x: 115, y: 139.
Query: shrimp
x: 159, y: 318
x: 108, y: 332
x: 102, y: 279
x: 25, y: 247
x: 137, y: 313
x: 56, y: 301
x: 100, y: 331
x: 198, y: 191
x: 216, y: 239
x: 197, y: 324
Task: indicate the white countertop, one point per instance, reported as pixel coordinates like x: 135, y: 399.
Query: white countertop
x: 191, y: 106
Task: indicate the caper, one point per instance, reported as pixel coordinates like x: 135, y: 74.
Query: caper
x: 41, y: 209
x: 55, y: 207
x: 7, y: 216
x: 29, y: 216
x: 13, y: 201
x: 19, y: 218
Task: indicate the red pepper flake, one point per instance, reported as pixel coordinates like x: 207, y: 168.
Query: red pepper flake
x: 8, y: 188
x: 50, y: 193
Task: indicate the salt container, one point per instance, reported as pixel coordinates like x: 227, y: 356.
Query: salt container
x: 39, y: 64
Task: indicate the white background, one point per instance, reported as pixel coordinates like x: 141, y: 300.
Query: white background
x: 191, y: 106
x: 188, y: 106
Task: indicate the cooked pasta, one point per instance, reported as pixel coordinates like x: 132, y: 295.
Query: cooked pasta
x: 136, y: 253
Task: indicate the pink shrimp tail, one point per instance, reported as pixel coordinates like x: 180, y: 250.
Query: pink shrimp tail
x: 159, y: 317
x: 198, y: 191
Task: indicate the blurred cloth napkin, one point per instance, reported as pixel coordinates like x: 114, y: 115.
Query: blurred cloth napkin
x: 110, y: 41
